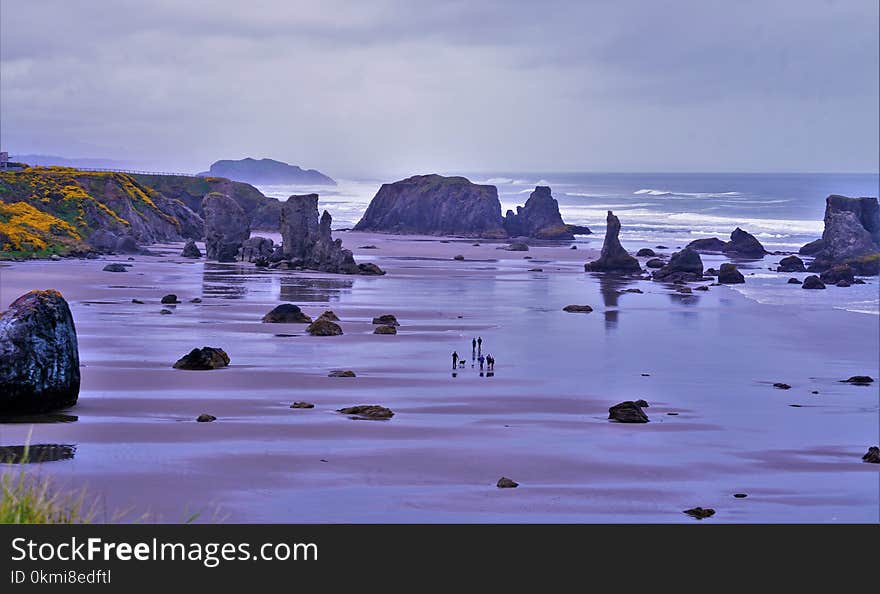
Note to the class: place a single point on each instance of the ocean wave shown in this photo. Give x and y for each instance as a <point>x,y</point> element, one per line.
<point>653,192</point>
<point>498,180</point>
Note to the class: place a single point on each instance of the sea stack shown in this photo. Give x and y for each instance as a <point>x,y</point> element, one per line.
<point>308,243</point>
<point>39,356</point>
<point>851,236</point>
<point>684,266</point>
<point>613,257</point>
<point>226,227</point>
<point>539,218</point>
<point>435,205</point>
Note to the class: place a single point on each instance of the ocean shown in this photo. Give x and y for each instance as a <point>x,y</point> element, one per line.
<point>784,211</point>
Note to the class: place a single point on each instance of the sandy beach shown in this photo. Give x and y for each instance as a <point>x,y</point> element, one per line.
<point>705,362</point>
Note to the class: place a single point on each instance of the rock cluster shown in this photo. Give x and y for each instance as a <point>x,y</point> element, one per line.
<point>683,266</point>
<point>741,245</point>
<point>539,218</point>
<point>851,236</point>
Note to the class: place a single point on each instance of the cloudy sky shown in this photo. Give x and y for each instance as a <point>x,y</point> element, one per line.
<point>389,87</point>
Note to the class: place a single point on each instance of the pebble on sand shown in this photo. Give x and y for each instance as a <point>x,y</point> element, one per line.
<point>341,373</point>
<point>205,418</point>
<point>872,455</point>
<point>781,386</point>
<point>577,308</point>
<point>700,513</point>
<point>506,483</point>
<point>302,405</point>
<point>372,412</point>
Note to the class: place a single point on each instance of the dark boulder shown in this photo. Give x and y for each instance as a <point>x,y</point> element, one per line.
<point>579,230</point>
<point>169,299</point>
<point>329,315</point>
<point>367,411</point>
<point>700,513</point>
<point>791,264</point>
<point>226,227</point>
<point>729,275</point>
<point>115,268</point>
<point>781,386</point>
<point>851,236</point>
<point>342,373</point>
<point>324,328</point>
<point>203,359</point>
<point>517,246</point>
<point>743,245</point>
<point>646,253</point>
<point>435,205</point>
<point>191,250</point>
<point>859,380</point>
<point>368,268</point>
<point>655,263</point>
<point>539,218</point>
<point>302,405</point>
<point>385,330</point>
<point>835,274</point>
<point>627,412</point>
<point>794,281</point>
<point>287,313</point>
<point>613,258</point>
<point>872,456</point>
<point>683,266</point>
<point>813,282</point>
<point>205,418</point>
<point>39,356</point>
<point>708,244</point>
<point>506,483</point>
<point>386,320</point>
<point>577,308</point>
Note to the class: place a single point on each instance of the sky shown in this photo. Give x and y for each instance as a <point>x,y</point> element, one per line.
<point>399,87</point>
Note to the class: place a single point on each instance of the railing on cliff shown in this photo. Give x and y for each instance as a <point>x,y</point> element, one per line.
<point>137,171</point>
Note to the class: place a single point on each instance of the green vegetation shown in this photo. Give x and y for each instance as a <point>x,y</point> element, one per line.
<point>25,499</point>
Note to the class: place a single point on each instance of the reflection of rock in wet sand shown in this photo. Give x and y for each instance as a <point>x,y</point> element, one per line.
<point>40,418</point>
<point>303,289</point>
<point>43,452</point>
<point>230,281</point>
<point>610,286</point>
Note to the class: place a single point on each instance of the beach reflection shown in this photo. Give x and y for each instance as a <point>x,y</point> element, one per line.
<point>44,452</point>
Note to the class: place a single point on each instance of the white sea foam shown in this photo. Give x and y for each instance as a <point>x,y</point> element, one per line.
<point>670,193</point>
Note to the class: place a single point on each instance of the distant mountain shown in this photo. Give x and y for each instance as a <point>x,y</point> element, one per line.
<point>267,171</point>
<point>88,163</point>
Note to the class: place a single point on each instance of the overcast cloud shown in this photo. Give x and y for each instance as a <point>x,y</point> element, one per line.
<point>398,87</point>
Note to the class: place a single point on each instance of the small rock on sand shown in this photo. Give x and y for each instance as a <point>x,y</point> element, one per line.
<point>205,418</point>
<point>506,483</point>
<point>368,412</point>
<point>700,513</point>
<point>794,281</point>
<point>302,405</point>
<point>165,312</point>
<point>341,373</point>
<point>458,257</point>
<point>627,412</point>
<point>781,386</point>
<point>286,313</point>
<point>203,359</point>
<point>516,247</point>
<point>385,330</point>
<point>873,455</point>
<point>171,298</point>
<point>115,268</point>
<point>812,282</point>
<point>368,247</point>
<point>859,380</point>
<point>536,270</point>
<point>195,300</point>
<point>740,495</point>
<point>577,308</point>
<point>324,328</point>
<point>137,301</point>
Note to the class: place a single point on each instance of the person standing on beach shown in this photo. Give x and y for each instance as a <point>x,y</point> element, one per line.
<point>490,362</point>
<point>480,346</point>
<point>482,359</point>
<point>473,348</point>
<point>454,359</point>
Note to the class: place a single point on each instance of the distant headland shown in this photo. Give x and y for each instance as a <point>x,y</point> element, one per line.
<point>267,171</point>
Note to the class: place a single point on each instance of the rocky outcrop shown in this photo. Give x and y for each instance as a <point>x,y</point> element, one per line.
<point>613,258</point>
<point>39,356</point>
<point>851,236</point>
<point>203,359</point>
<point>226,227</point>
<point>872,456</point>
<point>191,250</point>
<point>709,244</point>
<point>729,275</point>
<point>683,266</point>
<point>435,205</point>
<point>115,267</point>
<point>307,242</point>
<point>743,245</point>
<point>813,282</point>
<point>367,411</point>
<point>256,249</point>
<point>539,218</point>
<point>791,264</point>
<point>267,171</point>
<point>836,274</point>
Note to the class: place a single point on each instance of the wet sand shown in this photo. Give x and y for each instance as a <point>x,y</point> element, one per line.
<point>711,357</point>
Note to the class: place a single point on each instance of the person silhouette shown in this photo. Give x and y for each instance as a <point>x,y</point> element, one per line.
<point>479,345</point>
<point>454,359</point>
<point>473,348</point>
<point>482,360</point>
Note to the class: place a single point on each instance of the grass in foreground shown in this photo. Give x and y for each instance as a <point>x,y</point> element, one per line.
<point>33,500</point>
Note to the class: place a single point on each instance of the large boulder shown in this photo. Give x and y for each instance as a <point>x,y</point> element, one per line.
<point>851,236</point>
<point>226,227</point>
<point>286,313</point>
<point>628,412</point>
<point>835,274</point>
<point>203,359</point>
<point>813,282</point>
<point>435,205</point>
<point>683,266</point>
<point>324,327</point>
<point>708,244</point>
<point>308,241</point>
<point>539,218</point>
<point>255,249</point>
<point>729,275</point>
<point>743,245</point>
<point>613,258</point>
<point>39,357</point>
